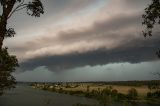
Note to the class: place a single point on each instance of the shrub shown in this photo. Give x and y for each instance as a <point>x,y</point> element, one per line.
<point>88,88</point>
<point>87,94</point>
<point>155,94</point>
<point>75,92</point>
<point>132,93</point>
<point>60,90</point>
<point>45,88</point>
<point>110,87</point>
<point>114,92</point>
<point>121,96</point>
<point>53,89</point>
<point>106,91</point>
<point>149,95</point>
<point>68,86</point>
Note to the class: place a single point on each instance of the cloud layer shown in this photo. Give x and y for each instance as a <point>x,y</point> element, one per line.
<point>80,33</point>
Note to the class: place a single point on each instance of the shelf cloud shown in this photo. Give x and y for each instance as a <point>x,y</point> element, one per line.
<point>73,34</point>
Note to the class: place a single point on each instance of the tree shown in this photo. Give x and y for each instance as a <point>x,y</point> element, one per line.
<point>33,8</point>
<point>132,93</point>
<point>151,17</point>
<point>9,63</point>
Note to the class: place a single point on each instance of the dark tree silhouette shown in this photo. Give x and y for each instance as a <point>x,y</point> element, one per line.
<point>9,63</point>
<point>151,17</point>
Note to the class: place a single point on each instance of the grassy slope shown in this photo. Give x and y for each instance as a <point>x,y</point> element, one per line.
<point>142,90</point>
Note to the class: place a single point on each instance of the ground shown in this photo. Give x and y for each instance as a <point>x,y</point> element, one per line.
<point>142,90</point>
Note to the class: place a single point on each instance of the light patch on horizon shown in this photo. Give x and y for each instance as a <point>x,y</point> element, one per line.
<point>108,72</point>
<point>40,74</point>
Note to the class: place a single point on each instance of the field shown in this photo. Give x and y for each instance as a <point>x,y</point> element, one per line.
<point>142,90</point>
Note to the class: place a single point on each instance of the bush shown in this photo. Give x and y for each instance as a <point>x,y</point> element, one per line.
<point>45,88</point>
<point>121,96</point>
<point>53,89</point>
<point>79,104</point>
<point>106,91</point>
<point>76,92</point>
<point>132,93</point>
<point>8,64</point>
<point>114,92</point>
<point>149,95</point>
<point>1,92</point>
<point>88,88</point>
<point>68,86</point>
<point>89,95</point>
<point>155,94</point>
<point>60,90</point>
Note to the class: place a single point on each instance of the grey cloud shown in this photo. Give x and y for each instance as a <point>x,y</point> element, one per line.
<point>136,3</point>
<point>132,48</point>
<point>122,29</point>
<point>108,72</point>
<point>135,51</point>
<point>102,28</point>
<point>95,73</point>
<point>55,9</point>
<point>99,31</point>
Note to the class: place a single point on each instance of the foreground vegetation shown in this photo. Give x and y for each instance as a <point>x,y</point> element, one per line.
<point>106,94</point>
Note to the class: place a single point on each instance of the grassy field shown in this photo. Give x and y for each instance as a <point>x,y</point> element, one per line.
<point>123,91</point>
<point>142,90</point>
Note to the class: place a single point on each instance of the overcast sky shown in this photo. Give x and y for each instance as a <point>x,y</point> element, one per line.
<point>84,40</point>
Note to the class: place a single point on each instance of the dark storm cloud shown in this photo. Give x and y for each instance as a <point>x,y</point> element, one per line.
<point>102,29</point>
<point>115,37</point>
<point>135,51</point>
<point>115,30</point>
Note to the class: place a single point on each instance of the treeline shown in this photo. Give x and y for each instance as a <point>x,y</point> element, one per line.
<point>123,83</point>
<point>130,83</point>
<point>104,96</point>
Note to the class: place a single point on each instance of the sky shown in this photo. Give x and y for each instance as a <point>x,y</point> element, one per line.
<point>84,40</point>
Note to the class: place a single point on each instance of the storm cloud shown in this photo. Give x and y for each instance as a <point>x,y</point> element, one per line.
<point>78,33</point>
<point>135,51</point>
